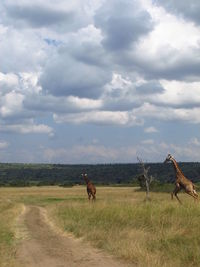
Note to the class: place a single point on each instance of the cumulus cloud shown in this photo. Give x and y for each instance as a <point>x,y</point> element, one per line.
<point>99,117</point>
<point>179,94</point>
<point>69,104</point>
<point>15,47</point>
<point>122,23</point>
<point>14,116</point>
<point>73,74</point>
<point>135,116</point>
<point>7,82</point>
<point>164,54</point>
<point>168,113</point>
<point>14,92</point>
<point>38,16</point>
<point>126,93</point>
<point>62,16</point>
<point>27,128</point>
<point>115,63</point>
<point>188,10</point>
<point>188,152</point>
<point>151,87</point>
<point>170,64</point>
<point>11,104</point>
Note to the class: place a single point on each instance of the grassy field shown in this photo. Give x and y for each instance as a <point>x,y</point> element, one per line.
<point>158,233</point>
<point>9,210</point>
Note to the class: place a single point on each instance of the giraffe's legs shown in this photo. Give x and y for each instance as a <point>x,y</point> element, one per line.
<point>93,197</point>
<point>89,196</point>
<point>195,193</point>
<point>178,198</point>
<point>175,192</point>
<point>195,196</point>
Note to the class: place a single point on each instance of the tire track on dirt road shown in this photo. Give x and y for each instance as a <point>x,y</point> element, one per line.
<point>46,247</point>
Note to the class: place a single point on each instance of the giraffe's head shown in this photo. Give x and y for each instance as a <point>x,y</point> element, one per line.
<point>168,158</point>
<point>84,175</point>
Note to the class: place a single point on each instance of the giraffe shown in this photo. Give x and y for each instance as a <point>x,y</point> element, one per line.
<point>91,190</point>
<point>181,181</point>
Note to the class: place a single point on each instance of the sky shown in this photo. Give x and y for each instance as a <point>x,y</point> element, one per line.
<point>87,81</point>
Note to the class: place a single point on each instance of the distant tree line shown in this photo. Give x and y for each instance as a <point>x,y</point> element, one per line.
<point>102,174</point>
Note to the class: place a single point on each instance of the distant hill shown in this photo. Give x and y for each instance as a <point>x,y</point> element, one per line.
<point>61,174</point>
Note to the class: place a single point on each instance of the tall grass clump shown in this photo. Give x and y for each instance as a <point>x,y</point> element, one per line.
<point>158,233</point>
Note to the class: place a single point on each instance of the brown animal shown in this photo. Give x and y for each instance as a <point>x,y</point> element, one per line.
<point>91,189</point>
<point>181,181</point>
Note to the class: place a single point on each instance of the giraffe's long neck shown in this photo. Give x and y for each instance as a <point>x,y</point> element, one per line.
<point>176,167</point>
<point>86,179</point>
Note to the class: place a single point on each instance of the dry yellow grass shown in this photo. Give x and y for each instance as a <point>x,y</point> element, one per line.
<point>158,233</point>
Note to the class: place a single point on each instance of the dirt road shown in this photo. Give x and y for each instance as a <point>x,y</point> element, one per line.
<point>46,247</point>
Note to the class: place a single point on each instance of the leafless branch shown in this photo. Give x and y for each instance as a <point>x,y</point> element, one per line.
<point>145,176</point>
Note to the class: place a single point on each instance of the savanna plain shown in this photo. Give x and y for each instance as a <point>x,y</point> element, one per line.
<point>160,232</point>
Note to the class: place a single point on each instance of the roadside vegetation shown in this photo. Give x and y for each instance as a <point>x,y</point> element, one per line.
<point>8,214</point>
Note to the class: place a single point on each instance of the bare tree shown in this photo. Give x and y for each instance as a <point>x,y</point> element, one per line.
<point>145,178</point>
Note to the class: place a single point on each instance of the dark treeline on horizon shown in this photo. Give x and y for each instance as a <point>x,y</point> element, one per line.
<point>103,174</point>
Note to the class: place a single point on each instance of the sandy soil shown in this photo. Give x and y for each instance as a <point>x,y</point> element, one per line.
<point>44,246</point>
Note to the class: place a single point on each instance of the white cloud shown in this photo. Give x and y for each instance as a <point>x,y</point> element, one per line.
<point>60,16</point>
<point>179,93</point>
<point>165,54</point>
<point>195,141</point>
<point>69,104</point>
<point>84,103</point>
<point>122,23</point>
<point>150,151</point>
<point>89,62</point>
<point>159,150</point>
<point>189,11</point>
<point>27,128</point>
<point>21,51</point>
<point>28,82</point>
<point>84,48</point>
<point>148,142</point>
<point>3,144</point>
<point>100,117</point>
<point>150,129</point>
<point>8,81</point>
<point>148,110</point>
<point>11,104</point>
<point>65,75</point>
